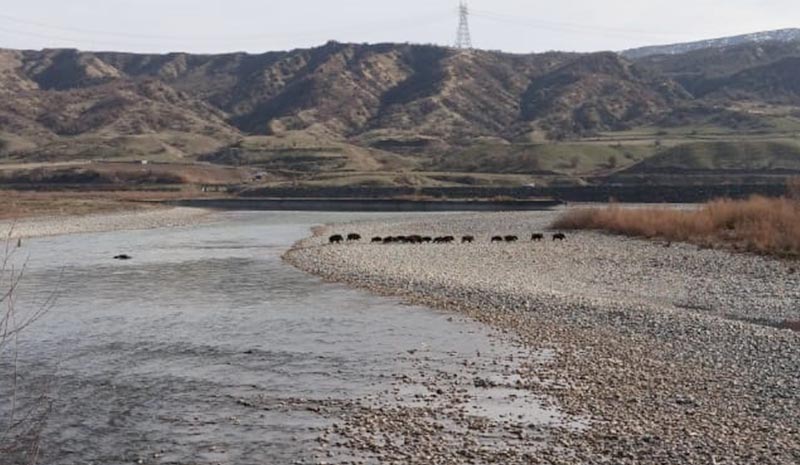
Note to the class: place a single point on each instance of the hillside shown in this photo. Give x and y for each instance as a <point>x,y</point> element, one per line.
<point>598,92</point>
<point>732,157</point>
<point>373,111</point>
<point>780,35</point>
<point>776,83</point>
<point>703,71</point>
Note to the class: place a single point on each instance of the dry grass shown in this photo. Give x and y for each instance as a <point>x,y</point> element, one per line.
<point>24,204</point>
<point>759,224</point>
<point>793,188</point>
<point>121,174</point>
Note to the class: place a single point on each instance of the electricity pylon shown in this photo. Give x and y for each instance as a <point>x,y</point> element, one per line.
<point>463,39</point>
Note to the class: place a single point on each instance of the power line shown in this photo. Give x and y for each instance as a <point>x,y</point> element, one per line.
<point>14,19</point>
<point>37,35</point>
<point>93,37</point>
<point>394,24</point>
<point>562,26</point>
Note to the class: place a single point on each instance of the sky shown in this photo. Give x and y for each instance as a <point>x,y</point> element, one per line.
<point>519,26</point>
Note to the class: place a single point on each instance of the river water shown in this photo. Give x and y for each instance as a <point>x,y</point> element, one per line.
<point>208,348</point>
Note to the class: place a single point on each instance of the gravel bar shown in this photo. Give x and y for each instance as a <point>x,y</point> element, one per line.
<point>672,353</point>
<point>101,222</point>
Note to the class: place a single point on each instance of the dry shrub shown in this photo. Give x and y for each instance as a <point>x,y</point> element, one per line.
<point>502,198</point>
<point>23,412</point>
<point>758,224</point>
<point>793,188</point>
<point>417,197</point>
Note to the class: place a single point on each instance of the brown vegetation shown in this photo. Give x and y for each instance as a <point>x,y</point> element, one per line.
<point>24,408</point>
<point>120,174</point>
<point>390,115</point>
<point>759,224</point>
<point>21,204</point>
<point>793,188</point>
<point>401,98</point>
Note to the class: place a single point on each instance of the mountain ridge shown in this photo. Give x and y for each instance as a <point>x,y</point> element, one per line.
<point>778,35</point>
<point>363,98</point>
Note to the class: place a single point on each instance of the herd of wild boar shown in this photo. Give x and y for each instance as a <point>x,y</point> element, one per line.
<point>417,239</point>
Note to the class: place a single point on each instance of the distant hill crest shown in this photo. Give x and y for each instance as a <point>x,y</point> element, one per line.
<point>396,98</point>
<point>780,35</point>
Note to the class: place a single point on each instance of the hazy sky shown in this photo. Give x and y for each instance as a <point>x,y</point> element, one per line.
<point>245,25</point>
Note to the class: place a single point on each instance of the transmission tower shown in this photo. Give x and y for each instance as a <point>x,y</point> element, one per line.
<point>463,40</point>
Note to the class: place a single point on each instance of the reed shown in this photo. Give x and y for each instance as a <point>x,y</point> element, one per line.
<point>758,224</point>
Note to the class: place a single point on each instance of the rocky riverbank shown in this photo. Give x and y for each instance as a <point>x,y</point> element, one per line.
<point>100,222</point>
<point>673,352</point>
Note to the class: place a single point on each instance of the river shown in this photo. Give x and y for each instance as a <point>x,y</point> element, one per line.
<point>207,348</point>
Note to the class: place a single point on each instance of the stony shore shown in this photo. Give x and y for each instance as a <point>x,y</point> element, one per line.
<point>673,353</point>
<point>100,222</point>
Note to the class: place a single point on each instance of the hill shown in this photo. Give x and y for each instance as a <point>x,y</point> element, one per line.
<point>774,83</point>
<point>598,92</point>
<point>396,96</point>
<point>378,112</point>
<point>702,71</point>
<point>780,35</point>
<point>731,157</point>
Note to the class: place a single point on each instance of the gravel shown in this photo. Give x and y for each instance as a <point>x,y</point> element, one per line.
<point>673,353</point>
<point>101,222</point>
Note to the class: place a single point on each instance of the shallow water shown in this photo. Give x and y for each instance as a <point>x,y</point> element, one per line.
<point>156,360</point>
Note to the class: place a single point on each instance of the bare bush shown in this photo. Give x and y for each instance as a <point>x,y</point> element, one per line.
<point>793,188</point>
<point>758,224</point>
<point>23,416</point>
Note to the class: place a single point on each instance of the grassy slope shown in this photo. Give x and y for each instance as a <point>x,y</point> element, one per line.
<point>745,156</point>
<point>167,146</point>
<point>313,157</point>
<point>571,159</point>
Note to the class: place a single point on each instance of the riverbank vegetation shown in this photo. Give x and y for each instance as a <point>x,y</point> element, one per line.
<point>763,225</point>
<point>17,205</point>
<point>24,405</point>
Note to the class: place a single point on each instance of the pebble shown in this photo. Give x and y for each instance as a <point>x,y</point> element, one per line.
<point>673,355</point>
